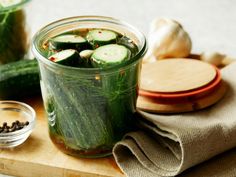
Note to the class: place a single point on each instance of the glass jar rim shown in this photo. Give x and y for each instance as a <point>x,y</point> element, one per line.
<point>46,29</point>
<point>14,6</point>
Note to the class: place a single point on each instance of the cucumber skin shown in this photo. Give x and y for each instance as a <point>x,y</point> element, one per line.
<point>73,60</point>
<point>96,44</point>
<point>13,35</point>
<point>102,64</point>
<point>63,45</point>
<point>19,79</point>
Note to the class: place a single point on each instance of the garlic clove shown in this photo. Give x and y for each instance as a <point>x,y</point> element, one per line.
<point>216,58</point>
<point>213,58</point>
<point>227,60</point>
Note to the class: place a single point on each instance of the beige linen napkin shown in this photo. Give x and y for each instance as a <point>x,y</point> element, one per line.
<point>166,145</point>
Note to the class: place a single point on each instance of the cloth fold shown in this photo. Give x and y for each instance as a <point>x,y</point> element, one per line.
<point>167,145</point>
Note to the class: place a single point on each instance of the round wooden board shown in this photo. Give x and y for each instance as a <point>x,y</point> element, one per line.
<point>187,94</point>
<point>151,105</point>
<point>176,75</point>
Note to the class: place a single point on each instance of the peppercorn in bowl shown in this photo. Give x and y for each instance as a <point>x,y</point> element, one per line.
<point>17,121</point>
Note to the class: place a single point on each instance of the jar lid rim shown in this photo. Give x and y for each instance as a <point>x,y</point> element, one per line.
<point>76,19</point>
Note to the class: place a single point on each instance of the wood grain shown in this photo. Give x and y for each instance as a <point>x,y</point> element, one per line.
<point>176,75</point>
<point>152,105</point>
<point>38,157</point>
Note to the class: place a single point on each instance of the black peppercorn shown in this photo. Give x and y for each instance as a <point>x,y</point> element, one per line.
<point>13,124</point>
<point>17,125</point>
<point>4,124</point>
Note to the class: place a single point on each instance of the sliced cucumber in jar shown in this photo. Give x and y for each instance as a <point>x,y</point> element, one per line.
<point>69,57</point>
<point>100,37</point>
<point>85,56</point>
<point>109,55</point>
<point>69,41</point>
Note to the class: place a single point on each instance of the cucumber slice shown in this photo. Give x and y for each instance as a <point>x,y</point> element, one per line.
<point>85,56</point>
<point>99,37</point>
<point>69,41</point>
<point>68,57</point>
<point>110,55</point>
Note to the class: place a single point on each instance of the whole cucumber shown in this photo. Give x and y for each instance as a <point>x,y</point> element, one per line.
<point>19,79</point>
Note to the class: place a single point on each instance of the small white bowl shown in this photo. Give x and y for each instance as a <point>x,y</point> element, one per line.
<point>11,111</point>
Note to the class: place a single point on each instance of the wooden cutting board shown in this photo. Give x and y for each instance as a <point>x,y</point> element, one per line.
<point>38,157</point>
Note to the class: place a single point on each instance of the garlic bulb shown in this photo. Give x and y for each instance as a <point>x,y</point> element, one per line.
<point>167,39</point>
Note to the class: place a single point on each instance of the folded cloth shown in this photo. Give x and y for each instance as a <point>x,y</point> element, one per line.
<point>167,145</point>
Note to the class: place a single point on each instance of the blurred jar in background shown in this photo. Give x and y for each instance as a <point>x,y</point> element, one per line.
<point>14,41</point>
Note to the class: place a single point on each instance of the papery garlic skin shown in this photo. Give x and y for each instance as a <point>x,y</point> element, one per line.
<point>167,39</point>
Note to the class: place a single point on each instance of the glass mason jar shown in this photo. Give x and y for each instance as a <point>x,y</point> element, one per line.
<point>13,32</point>
<point>88,109</point>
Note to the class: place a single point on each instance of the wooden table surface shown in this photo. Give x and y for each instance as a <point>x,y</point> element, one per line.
<point>39,157</point>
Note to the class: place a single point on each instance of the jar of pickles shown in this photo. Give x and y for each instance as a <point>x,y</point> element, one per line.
<point>90,67</point>
<point>13,32</point>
